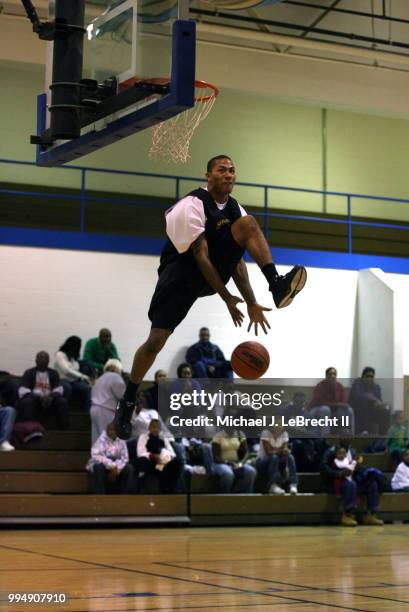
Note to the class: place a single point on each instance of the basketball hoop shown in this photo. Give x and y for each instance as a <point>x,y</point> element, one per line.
<point>171,138</point>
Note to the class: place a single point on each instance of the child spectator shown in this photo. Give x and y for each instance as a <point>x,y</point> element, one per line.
<point>397,436</point>
<point>400,479</point>
<point>156,457</point>
<point>109,464</point>
<point>274,460</point>
<point>367,484</point>
<point>343,462</point>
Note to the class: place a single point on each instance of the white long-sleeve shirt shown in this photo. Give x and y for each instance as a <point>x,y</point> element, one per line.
<point>186,220</point>
<point>68,369</point>
<point>140,422</point>
<point>400,479</point>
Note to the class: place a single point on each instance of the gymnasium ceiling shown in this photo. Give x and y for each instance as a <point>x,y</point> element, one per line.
<point>371,32</point>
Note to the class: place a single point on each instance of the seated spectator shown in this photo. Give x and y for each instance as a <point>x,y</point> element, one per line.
<point>184,384</point>
<point>225,459</point>
<point>9,389</point>
<point>343,462</point>
<point>371,413</point>
<point>275,461</point>
<point>41,391</point>
<point>152,393</point>
<point>109,464</point>
<point>329,398</point>
<point>400,479</point>
<point>7,418</point>
<point>206,359</point>
<point>74,382</point>
<point>143,415</point>
<point>156,457</point>
<point>397,436</point>
<point>97,351</point>
<point>106,392</point>
<point>337,481</point>
<point>307,451</point>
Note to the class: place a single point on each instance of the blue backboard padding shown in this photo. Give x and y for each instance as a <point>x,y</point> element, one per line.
<point>152,246</point>
<point>180,98</point>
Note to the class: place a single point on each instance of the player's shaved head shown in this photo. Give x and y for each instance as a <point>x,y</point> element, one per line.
<point>214,160</point>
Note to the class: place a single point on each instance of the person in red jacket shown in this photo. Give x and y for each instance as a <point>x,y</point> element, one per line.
<point>330,398</point>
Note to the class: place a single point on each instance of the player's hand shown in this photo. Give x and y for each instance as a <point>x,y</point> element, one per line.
<point>235,312</point>
<point>256,316</point>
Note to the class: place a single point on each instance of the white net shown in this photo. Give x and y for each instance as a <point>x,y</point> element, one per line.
<point>171,138</point>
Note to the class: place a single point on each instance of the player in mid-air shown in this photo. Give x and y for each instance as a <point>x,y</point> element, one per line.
<point>208,233</point>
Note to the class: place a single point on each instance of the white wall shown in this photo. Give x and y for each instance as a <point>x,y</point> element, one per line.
<point>379,336</point>
<point>50,294</point>
<point>400,283</point>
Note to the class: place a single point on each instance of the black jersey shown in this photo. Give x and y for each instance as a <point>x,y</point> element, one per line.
<point>218,221</point>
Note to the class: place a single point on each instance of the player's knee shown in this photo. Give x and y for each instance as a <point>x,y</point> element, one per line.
<point>246,224</point>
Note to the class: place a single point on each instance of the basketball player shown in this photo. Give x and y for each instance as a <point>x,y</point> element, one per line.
<point>208,233</point>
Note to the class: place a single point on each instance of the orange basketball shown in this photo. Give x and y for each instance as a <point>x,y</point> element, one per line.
<point>250,360</point>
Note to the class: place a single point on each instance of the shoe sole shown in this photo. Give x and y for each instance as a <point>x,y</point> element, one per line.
<point>297,284</point>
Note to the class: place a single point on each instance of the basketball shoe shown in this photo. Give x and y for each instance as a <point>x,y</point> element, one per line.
<point>122,418</point>
<point>285,288</point>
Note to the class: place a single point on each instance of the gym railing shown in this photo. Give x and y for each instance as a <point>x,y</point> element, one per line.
<point>261,194</point>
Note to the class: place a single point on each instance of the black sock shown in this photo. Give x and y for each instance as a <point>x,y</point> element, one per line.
<point>270,272</point>
<point>130,391</point>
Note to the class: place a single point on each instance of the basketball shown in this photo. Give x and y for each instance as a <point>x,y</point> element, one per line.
<point>250,360</point>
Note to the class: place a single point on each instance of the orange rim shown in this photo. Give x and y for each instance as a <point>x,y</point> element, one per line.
<point>165,80</point>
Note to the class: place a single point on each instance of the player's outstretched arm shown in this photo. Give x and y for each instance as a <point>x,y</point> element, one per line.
<point>201,254</point>
<point>254,310</point>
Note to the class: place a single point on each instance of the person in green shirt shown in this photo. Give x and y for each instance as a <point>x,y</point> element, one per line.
<point>97,351</point>
<point>397,436</point>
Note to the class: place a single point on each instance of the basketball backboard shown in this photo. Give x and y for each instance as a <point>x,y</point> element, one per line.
<point>138,70</point>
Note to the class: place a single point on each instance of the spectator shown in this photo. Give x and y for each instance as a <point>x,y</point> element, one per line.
<point>156,457</point>
<point>400,479</point>
<point>371,413</point>
<point>206,359</point>
<point>106,392</point>
<point>109,464</point>
<point>275,460</point>
<point>98,350</point>
<point>9,389</point>
<point>225,459</point>
<point>329,398</point>
<point>184,384</point>
<point>141,419</point>
<point>7,418</point>
<point>41,391</point>
<point>74,382</point>
<point>307,451</point>
<point>397,436</point>
<point>336,480</point>
<point>143,415</point>
<point>342,462</point>
<point>152,393</point>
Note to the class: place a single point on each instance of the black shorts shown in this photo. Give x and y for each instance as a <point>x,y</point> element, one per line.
<point>180,282</point>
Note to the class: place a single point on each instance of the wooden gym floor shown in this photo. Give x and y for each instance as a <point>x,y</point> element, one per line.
<point>259,568</point>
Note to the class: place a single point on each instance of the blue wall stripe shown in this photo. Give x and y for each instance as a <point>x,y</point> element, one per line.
<point>152,246</point>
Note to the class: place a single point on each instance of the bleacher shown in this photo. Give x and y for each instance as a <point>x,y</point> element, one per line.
<point>46,482</point>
